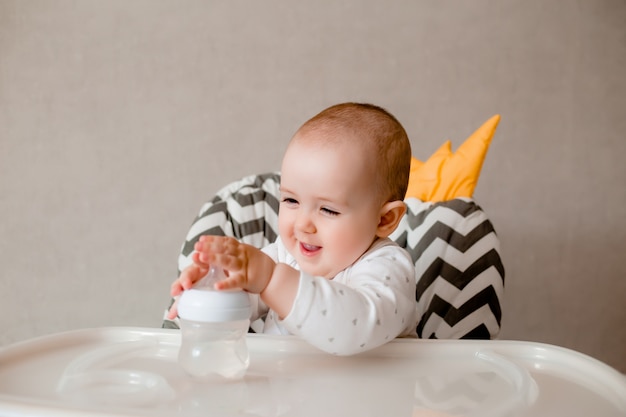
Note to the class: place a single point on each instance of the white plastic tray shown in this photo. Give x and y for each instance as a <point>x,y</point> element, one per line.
<point>133,372</point>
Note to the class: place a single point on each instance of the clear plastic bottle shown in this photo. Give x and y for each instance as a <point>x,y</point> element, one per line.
<point>213,327</point>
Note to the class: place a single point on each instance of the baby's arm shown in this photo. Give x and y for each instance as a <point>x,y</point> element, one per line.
<point>374,304</point>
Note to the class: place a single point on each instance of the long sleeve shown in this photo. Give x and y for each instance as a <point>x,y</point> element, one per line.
<point>363,307</point>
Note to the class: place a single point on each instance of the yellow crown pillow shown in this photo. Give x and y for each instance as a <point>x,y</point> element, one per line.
<point>447,175</point>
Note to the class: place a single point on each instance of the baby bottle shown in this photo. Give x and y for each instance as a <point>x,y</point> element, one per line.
<point>213,327</point>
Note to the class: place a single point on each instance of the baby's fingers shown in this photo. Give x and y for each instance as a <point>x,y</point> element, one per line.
<point>217,245</point>
<point>173,311</point>
<point>200,259</point>
<point>187,278</point>
<point>229,257</point>
<point>176,288</point>
<point>230,283</point>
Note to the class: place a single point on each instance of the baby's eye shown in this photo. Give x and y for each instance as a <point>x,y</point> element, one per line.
<point>289,200</point>
<point>329,211</point>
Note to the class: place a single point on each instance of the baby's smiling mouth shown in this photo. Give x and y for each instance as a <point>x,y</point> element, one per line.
<point>307,249</point>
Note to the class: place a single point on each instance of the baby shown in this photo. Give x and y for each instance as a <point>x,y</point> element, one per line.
<point>333,277</point>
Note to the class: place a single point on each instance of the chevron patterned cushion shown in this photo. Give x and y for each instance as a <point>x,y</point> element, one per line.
<point>460,276</point>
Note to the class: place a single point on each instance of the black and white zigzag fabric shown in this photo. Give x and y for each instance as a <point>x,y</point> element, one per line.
<point>460,276</point>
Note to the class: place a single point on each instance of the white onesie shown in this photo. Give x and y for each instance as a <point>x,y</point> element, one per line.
<point>362,307</point>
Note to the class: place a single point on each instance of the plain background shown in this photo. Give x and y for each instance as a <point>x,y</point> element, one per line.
<point>118,119</point>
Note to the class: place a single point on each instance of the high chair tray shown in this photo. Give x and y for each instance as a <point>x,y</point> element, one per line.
<point>134,372</point>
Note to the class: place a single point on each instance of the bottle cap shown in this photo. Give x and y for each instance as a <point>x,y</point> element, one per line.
<point>214,306</point>
<point>205,304</point>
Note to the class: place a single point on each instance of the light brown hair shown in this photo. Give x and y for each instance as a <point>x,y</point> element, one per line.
<point>374,127</point>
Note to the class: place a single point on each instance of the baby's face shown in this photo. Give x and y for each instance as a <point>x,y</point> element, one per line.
<point>329,210</point>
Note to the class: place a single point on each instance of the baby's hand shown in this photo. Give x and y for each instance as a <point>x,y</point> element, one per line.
<point>246,267</point>
<point>187,278</point>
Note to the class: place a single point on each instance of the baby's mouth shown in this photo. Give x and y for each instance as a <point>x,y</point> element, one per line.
<point>307,249</point>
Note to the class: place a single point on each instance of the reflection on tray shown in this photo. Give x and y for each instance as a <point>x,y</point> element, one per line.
<point>142,375</point>
<point>506,391</point>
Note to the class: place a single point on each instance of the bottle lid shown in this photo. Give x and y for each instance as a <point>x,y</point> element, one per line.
<point>205,304</point>
<point>214,306</point>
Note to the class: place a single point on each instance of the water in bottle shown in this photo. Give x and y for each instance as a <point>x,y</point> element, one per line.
<point>213,326</point>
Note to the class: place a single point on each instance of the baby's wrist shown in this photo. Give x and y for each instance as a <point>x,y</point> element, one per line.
<point>280,292</point>
<point>270,281</point>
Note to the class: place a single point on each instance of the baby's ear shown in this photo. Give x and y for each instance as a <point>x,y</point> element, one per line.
<point>390,215</point>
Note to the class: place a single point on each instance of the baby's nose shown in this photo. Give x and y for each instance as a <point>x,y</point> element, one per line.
<point>305,224</point>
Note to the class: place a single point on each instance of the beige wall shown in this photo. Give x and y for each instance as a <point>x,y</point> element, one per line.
<point>119,118</point>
